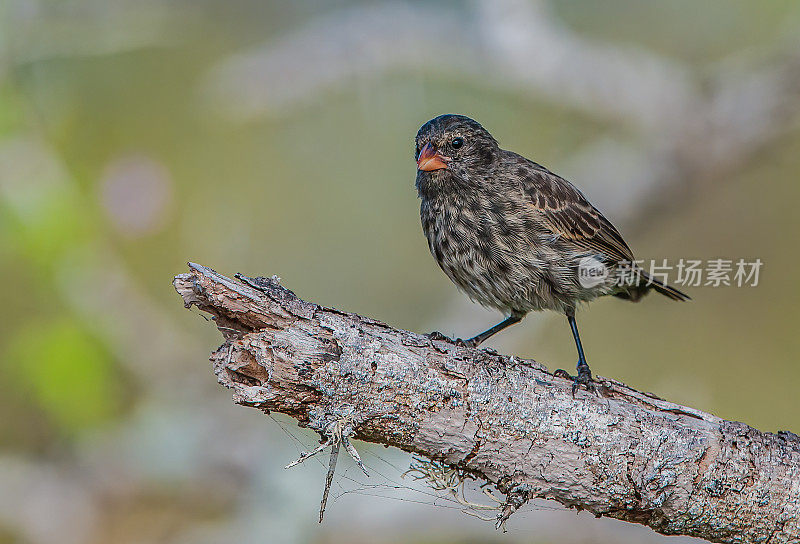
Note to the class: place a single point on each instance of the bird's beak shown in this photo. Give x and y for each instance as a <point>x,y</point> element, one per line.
<point>430,159</point>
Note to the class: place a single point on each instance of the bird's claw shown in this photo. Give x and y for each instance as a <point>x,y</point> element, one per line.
<point>439,337</point>
<point>584,378</point>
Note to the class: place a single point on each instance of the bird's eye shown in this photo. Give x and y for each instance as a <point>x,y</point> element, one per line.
<point>457,142</point>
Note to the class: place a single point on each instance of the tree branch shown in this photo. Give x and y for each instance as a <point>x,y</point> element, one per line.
<point>622,454</point>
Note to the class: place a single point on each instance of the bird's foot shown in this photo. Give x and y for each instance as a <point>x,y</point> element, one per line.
<point>439,337</point>
<point>584,378</point>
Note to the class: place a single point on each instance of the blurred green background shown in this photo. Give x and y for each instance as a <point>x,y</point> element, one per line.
<point>277,138</point>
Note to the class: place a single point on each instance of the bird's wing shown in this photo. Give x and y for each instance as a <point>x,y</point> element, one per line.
<point>568,215</point>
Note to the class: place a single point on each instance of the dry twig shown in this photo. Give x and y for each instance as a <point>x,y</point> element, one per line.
<point>509,422</point>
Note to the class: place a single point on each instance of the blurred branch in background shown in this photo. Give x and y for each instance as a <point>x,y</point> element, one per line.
<point>694,125</point>
<point>618,453</point>
<point>507,44</point>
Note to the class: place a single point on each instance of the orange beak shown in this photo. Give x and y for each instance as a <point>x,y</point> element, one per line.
<point>430,159</point>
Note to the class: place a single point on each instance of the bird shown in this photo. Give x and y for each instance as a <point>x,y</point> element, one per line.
<point>515,236</point>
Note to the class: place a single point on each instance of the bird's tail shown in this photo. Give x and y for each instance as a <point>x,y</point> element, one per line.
<point>647,283</point>
<point>668,291</point>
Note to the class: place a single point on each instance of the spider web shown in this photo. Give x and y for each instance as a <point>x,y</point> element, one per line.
<point>424,482</point>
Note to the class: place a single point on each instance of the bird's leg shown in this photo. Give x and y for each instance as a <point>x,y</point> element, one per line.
<point>584,376</point>
<point>479,338</point>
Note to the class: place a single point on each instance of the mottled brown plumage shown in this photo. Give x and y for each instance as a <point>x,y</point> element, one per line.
<point>513,235</point>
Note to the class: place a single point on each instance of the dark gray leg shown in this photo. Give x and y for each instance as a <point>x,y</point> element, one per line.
<point>584,376</point>
<point>480,338</point>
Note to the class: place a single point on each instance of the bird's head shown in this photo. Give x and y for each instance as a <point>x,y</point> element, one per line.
<point>452,152</point>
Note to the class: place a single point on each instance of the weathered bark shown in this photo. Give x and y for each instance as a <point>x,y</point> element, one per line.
<point>622,453</point>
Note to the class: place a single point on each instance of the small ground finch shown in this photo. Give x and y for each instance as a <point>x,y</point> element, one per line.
<point>513,235</point>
